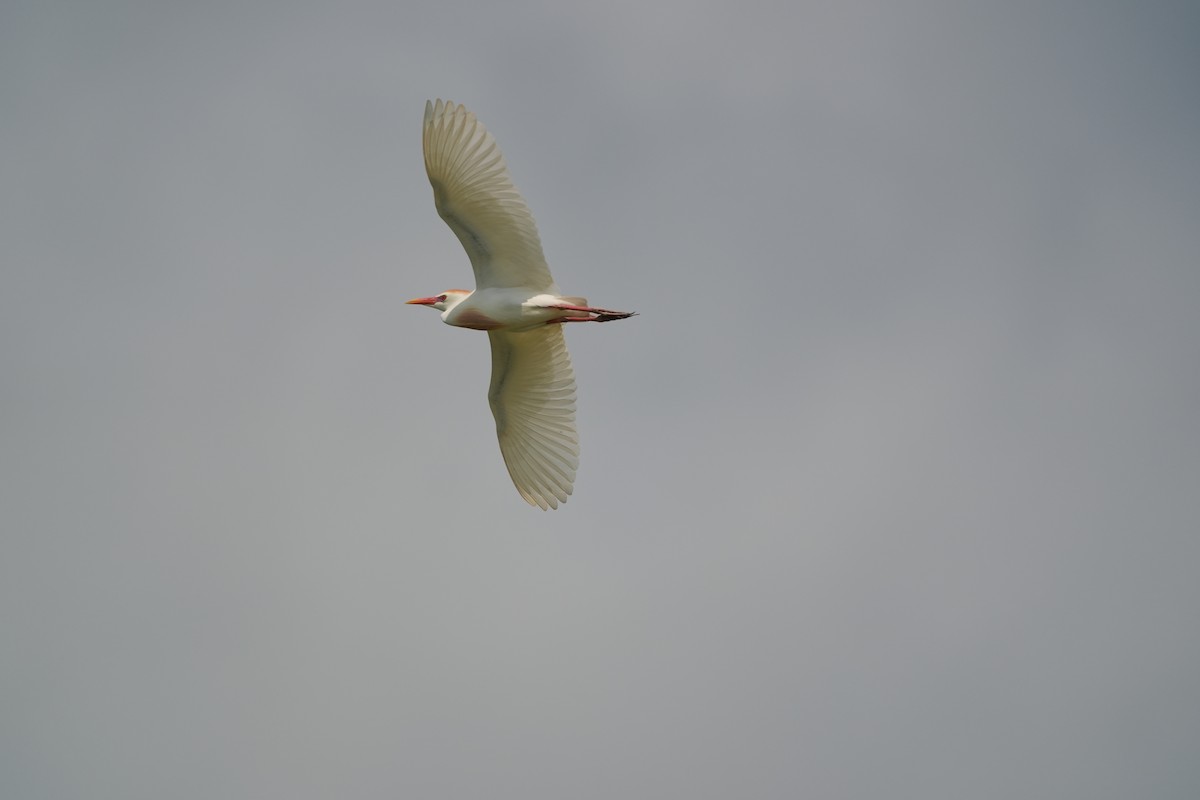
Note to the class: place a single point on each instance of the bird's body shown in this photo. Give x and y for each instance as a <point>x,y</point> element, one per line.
<point>516,301</point>
<point>508,309</point>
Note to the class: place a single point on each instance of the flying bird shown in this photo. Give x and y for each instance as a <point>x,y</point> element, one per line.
<point>516,301</point>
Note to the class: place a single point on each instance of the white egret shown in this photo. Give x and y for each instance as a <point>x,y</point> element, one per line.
<point>515,300</point>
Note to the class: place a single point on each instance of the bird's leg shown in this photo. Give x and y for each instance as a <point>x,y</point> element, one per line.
<point>600,314</point>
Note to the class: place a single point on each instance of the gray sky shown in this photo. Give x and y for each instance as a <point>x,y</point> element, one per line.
<point>891,490</point>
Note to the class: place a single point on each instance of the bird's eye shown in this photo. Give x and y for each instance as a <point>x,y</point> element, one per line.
<point>441,298</point>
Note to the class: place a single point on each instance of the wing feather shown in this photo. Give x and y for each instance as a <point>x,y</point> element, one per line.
<point>475,195</point>
<point>533,400</point>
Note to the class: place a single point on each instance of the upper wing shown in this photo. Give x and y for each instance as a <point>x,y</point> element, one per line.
<point>533,400</point>
<point>475,195</point>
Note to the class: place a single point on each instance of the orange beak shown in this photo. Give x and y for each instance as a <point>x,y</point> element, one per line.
<point>421,301</point>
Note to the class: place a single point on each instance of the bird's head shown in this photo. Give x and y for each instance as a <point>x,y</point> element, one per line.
<point>442,302</point>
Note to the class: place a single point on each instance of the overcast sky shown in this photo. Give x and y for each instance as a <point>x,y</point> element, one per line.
<point>892,490</point>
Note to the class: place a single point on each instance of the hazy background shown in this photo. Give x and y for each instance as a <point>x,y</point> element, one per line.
<point>892,490</point>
